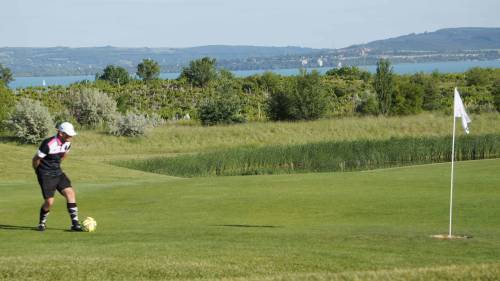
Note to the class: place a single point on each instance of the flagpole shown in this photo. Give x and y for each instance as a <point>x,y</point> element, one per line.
<point>452,166</point>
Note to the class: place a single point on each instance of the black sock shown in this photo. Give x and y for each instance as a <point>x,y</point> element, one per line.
<point>73,213</point>
<point>43,216</point>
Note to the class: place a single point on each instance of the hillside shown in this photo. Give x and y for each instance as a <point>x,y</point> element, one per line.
<point>443,40</point>
<point>84,61</point>
<point>452,44</point>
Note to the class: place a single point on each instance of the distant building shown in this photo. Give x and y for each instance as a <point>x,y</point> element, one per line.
<point>320,62</point>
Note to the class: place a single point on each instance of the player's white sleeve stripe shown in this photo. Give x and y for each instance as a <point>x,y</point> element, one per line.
<point>41,154</point>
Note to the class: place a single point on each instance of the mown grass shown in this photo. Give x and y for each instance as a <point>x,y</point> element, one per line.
<point>371,225</point>
<point>321,157</point>
<point>471,272</point>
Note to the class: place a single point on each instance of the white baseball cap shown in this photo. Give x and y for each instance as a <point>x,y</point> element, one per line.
<point>66,127</point>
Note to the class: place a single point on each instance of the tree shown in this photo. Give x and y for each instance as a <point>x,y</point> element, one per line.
<point>349,73</point>
<point>6,75</point>
<point>279,106</point>
<point>477,76</point>
<point>200,72</point>
<point>148,70</point>
<point>431,94</point>
<point>310,97</point>
<point>496,94</point>
<point>407,97</point>
<point>384,85</point>
<point>303,97</point>
<point>115,74</point>
<point>270,82</point>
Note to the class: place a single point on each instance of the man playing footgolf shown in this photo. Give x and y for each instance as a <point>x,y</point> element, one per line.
<point>47,165</point>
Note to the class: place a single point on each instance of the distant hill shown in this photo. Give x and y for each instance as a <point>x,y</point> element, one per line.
<point>80,61</point>
<point>451,44</point>
<point>443,40</point>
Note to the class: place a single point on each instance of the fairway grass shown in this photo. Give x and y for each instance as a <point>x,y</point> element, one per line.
<point>373,225</point>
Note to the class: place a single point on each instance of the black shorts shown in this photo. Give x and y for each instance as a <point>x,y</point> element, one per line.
<point>49,184</point>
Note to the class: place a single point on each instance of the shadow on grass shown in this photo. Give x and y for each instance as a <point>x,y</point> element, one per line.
<point>21,227</point>
<point>246,225</point>
<point>16,227</point>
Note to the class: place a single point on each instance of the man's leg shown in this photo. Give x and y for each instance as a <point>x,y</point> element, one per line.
<point>70,196</point>
<point>64,187</point>
<point>44,212</point>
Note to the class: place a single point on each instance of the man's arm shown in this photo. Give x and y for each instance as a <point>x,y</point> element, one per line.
<point>35,162</point>
<point>43,150</point>
<point>65,155</point>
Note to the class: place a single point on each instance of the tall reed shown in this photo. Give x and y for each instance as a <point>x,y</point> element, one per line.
<point>322,157</point>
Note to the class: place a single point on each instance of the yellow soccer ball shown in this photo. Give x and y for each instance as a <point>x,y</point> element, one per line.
<point>89,224</point>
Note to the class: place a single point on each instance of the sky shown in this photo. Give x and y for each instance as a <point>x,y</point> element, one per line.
<point>188,23</point>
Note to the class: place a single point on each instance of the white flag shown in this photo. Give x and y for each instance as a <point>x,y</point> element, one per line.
<point>459,111</point>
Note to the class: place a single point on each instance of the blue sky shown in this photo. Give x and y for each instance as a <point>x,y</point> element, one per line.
<point>177,23</point>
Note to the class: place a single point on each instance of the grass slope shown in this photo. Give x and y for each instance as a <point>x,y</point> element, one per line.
<point>327,226</point>
<point>188,139</point>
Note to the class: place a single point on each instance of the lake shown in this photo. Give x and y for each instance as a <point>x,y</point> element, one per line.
<point>403,68</point>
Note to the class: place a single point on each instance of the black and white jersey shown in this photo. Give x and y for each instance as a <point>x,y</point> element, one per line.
<point>51,151</point>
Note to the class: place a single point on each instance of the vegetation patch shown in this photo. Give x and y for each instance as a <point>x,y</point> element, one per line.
<point>322,157</point>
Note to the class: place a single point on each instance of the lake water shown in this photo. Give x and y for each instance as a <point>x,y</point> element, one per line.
<point>403,68</point>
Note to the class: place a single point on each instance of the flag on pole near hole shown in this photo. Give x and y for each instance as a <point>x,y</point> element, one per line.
<point>459,111</point>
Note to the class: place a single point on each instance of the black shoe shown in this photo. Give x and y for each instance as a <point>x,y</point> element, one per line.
<point>41,227</point>
<point>76,227</point>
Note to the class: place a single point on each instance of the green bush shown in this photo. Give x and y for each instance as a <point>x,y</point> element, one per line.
<point>367,103</point>
<point>496,94</point>
<point>7,102</point>
<point>407,97</point>
<point>92,108</point>
<point>129,125</point>
<point>30,121</point>
<point>303,97</point>
<point>155,120</point>
<point>350,73</point>
<point>308,97</point>
<point>279,106</point>
<point>64,116</point>
<point>223,107</point>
